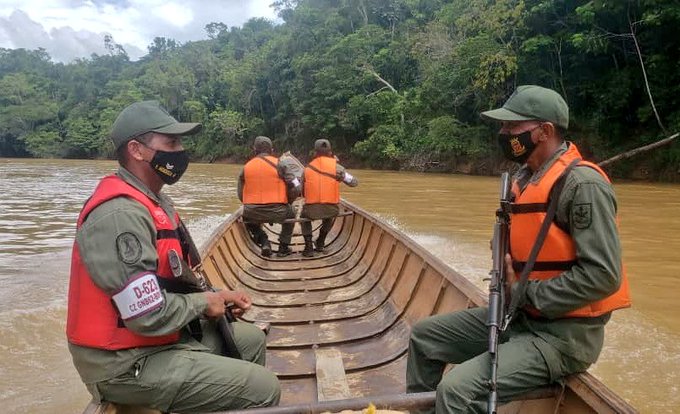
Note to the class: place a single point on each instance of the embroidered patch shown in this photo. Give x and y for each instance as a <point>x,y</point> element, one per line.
<point>129,248</point>
<point>140,296</point>
<point>582,215</point>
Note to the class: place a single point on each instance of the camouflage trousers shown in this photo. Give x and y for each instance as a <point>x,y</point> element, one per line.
<point>188,381</point>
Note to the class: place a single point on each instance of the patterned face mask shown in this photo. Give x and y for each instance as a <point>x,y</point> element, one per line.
<point>517,148</point>
<point>170,165</point>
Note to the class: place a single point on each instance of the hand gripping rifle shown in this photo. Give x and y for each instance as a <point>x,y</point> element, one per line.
<point>192,274</point>
<point>496,315</point>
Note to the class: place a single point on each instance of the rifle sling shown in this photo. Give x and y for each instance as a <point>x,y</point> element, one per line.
<point>313,168</point>
<point>555,192</point>
<point>268,162</point>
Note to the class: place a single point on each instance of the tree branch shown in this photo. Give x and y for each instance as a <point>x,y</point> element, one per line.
<point>379,78</point>
<point>638,150</point>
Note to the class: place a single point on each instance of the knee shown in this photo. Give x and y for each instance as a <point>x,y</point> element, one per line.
<point>460,392</point>
<point>452,395</point>
<point>251,342</point>
<point>268,389</point>
<point>420,330</point>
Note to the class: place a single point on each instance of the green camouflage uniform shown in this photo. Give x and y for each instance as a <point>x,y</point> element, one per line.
<point>188,376</point>
<point>535,352</point>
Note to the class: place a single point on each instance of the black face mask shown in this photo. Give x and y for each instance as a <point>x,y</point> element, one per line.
<point>517,148</point>
<point>170,165</point>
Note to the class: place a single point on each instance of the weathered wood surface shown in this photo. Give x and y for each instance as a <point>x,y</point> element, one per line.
<point>331,382</point>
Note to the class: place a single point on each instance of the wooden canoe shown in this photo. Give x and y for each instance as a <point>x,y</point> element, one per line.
<point>340,321</point>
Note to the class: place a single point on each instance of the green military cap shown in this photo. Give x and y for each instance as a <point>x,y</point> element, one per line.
<point>262,144</point>
<point>322,146</point>
<point>148,116</point>
<point>531,102</point>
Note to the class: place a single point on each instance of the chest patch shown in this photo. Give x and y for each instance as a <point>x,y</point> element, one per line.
<point>129,248</point>
<point>582,215</point>
<point>140,296</point>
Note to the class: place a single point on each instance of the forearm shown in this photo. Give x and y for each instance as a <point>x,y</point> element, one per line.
<point>344,176</point>
<point>573,289</point>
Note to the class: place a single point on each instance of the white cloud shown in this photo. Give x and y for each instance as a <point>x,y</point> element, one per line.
<point>69,29</point>
<point>174,14</point>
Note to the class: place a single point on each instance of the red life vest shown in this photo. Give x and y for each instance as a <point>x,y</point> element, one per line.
<point>263,185</point>
<point>558,252</point>
<point>321,186</point>
<point>93,319</point>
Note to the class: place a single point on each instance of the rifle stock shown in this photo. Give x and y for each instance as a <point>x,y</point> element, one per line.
<point>496,313</point>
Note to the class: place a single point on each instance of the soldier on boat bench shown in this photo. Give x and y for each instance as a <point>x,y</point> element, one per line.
<point>322,180</point>
<point>128,306</point>
<point>266,187</point>
<point>573,287</point>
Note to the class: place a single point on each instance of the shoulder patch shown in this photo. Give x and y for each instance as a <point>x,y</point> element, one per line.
<point>582,215</point>
<point>129,248</point>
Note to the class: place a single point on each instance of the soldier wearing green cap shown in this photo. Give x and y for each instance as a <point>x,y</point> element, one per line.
<point>136,332</point>
<point>322,178</point>
<point>560,298</point>
<point>267,186</point>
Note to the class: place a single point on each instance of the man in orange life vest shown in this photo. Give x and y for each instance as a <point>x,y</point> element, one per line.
<point>128,309</point>
<point>576,282</point>
<point>322,194</point>
<point>267,186</point>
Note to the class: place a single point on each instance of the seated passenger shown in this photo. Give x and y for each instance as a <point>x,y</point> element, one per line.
<point>139,331</point>
<point>322,194</point>
<point>264,188</point>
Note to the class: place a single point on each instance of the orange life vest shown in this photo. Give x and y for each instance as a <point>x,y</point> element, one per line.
<point>263,185</point>
<point>321,186</point>
<point>558,252</point>
<point>93,320</point>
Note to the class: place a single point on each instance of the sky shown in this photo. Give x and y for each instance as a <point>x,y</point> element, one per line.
<point>70,29</point>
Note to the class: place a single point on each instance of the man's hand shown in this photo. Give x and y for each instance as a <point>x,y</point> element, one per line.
<point>240,300</point>
<point>217,303</point>
<point>510,276</point>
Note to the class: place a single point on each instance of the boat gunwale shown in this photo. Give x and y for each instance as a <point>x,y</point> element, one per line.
<point>587,387</point>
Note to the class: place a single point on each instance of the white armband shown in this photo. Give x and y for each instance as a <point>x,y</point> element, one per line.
<point>348,178</point>
<point>296,182</point>
<point>140,296</point>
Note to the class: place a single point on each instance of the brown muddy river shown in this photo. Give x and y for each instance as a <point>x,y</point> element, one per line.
<point>451,215</point>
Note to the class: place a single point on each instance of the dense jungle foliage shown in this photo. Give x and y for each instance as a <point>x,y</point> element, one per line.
<point>392,83</point>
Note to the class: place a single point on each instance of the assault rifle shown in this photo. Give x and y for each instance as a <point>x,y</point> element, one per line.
<point>193,276</point>
<point>496,315</point>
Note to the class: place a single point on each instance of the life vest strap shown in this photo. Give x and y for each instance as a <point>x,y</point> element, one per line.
<point>167,234</point>
<point>324,173</point>
<point>269,162</point>
<point>528,208</point>
<point>545,266</point>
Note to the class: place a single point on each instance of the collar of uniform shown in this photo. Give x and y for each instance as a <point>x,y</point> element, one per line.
<point>536,176</point>
<point>132,179</point>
